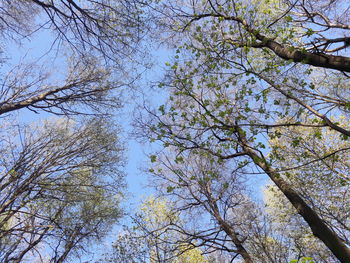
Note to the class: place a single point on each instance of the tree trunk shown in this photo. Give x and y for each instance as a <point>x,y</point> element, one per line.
<point>318,227</point>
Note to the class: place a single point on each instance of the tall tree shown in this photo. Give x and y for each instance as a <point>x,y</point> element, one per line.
<point>108,28</point>
<point>153,238</point>
<point>211,195</point>
<point>237,78</point>
<point>315,169</point>
<point>61,183</point>
<point>59,188</point>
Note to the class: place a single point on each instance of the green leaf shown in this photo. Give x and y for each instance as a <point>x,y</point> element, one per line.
<point>296,141</point>
<point>288,18</point>
<point>179,159</point>
<point>309,32</point>
<point>344,137</point>
<point>169,189</point>
<point>153,158</point>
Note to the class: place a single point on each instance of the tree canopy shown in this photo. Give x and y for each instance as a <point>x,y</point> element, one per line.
<point>251,144</point>
<point>257,87</point>
<point>61,178</point>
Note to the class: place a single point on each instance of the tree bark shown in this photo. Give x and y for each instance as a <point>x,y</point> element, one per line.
<point>318,227</point>
<point>228,230</point>
<point>322,60</point>
<point>297,55</point>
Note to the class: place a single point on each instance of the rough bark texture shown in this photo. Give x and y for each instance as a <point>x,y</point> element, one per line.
<point>229,231</point>
<point>318,227</point>
<point>322,60</point>
<point>315,59</point>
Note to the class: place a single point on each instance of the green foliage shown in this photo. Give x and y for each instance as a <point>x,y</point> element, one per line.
<point>303,260</point>
<point>151,238</point>
<point>69,201</point>
<point>243,96</point>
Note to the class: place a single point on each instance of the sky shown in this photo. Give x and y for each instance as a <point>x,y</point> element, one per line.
<point>38,50</point>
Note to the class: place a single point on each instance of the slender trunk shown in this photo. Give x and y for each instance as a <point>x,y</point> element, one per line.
<point>239,245</point>
<point>228,229</point>
<point>318,227</point>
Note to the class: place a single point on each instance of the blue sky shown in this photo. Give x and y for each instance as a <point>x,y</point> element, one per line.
<point>38,50</point>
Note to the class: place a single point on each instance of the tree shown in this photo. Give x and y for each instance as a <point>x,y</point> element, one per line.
<point>204,195</point>
<point>212,197</point>
<point>310,146</point>
<point>82,32</point>
<point>60,179</point>
<point>87,88</point>
<point>203,131</point>
<point>108,28</point>
<point>236,80</point>
<point>286,223</point>
<point>153,238</point>
<point>59,189</point>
